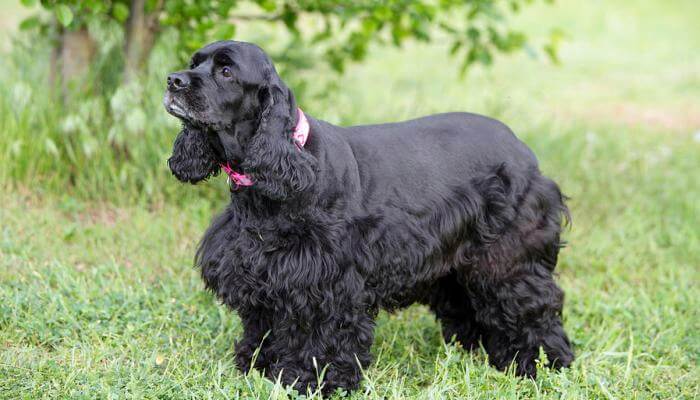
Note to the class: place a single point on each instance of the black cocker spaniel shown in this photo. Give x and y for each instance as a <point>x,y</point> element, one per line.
<point>327,225</point>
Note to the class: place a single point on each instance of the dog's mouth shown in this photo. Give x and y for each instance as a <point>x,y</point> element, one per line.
<point>174,107</point>
<point>176,110</point>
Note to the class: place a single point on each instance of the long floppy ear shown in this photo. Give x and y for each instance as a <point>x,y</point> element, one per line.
<point>193,158</point>
<point>279,168</point>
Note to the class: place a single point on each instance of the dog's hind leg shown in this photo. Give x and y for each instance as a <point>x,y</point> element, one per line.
<point>514,293</point>
<point>511,282</point>
<point>520,314</point>
<point>451,304</point>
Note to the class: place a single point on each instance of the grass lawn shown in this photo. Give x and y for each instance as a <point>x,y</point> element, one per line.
<point>99,300</point>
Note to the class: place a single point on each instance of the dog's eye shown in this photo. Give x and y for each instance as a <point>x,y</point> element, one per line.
<point>226,72</point>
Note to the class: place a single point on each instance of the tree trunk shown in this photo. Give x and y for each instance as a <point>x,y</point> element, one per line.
<point>74,57</point>
<point>53,67</point>
<point>141,29</point>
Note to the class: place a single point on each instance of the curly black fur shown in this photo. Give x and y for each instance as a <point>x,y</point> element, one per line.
<point>449,210</point>
<point>193,158</point>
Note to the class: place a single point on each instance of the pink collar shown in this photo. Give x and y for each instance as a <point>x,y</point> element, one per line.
<point>300,135</point>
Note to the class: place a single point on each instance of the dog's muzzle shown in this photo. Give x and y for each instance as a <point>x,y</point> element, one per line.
<point>173,106</point>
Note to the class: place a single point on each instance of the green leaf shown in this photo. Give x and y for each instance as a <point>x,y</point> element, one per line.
<point>28,3</point>
<point>556,36</point>
<point>369,25</point>
<point>268,5</point>
<point>120,12</point>
<point>289,17</point>
<point>455,47</point>
<point>552,53</point>
<point>485,57</point>
<point>30,23</point>
<point>63,14</point>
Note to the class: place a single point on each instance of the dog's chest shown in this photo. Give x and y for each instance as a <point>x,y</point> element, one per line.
<point>255,264</point>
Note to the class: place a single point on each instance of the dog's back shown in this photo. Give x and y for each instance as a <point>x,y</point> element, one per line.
<point>436,151</point>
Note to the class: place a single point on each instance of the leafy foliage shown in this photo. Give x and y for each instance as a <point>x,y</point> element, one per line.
<point>308,39</point>
<point>341,30</point>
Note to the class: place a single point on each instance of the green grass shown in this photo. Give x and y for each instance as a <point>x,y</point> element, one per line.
<point>98,298</point>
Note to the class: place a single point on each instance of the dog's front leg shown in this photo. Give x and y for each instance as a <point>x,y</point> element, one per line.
<point>326,343</point>
<point>252,348</point>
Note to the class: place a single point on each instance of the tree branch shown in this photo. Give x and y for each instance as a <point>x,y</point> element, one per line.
<point>256,17</point>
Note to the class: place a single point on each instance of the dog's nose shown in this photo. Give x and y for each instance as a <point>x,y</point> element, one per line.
<point>178,81</point>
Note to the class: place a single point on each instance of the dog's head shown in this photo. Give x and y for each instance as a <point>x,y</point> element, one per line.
<point>235,109</point>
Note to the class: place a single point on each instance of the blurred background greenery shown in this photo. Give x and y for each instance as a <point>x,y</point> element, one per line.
<point>98,298</point>
<point>94,71</point>
<point>83,80</point>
